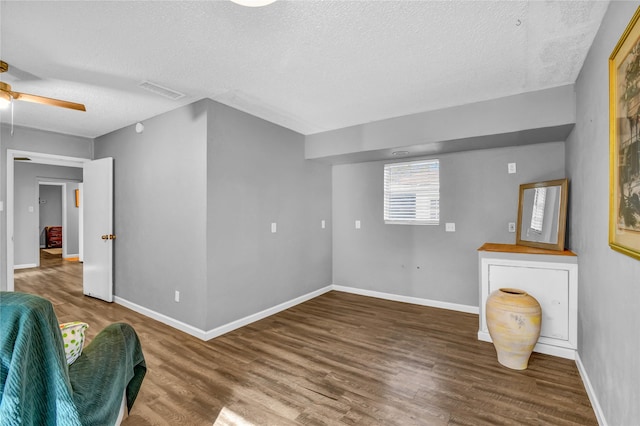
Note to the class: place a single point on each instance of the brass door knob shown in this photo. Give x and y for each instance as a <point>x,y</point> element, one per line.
<point>105,237</point>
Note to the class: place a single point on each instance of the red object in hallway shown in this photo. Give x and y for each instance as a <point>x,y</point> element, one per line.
<point>54,236</point>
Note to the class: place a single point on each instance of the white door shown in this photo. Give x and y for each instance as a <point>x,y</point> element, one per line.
<point>98,238</point>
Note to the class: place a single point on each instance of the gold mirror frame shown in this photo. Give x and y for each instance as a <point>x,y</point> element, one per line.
<point>562,215</point>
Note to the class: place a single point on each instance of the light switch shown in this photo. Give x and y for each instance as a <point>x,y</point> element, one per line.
<point>274,227</point>
<point>512,227</point>
<point>30,209</point>
<point>450,227</point>
<point>357,224</point>
<point>1,206</point>
<point>511,167</point>
<point>322,224</point>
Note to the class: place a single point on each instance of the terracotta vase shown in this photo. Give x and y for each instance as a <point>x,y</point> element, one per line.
<point>513,319</point>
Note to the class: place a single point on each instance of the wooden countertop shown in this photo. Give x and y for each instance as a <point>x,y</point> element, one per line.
<point>512,248</point>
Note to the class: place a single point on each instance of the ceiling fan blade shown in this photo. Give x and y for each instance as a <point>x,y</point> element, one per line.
<point>47,101</point>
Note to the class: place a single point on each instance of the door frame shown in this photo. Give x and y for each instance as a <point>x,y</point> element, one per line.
<point>36,158</point>
<point>63,213</point>
<point>62,183</point>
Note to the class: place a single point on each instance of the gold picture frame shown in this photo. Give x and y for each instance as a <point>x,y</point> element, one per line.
<point>624,142</point>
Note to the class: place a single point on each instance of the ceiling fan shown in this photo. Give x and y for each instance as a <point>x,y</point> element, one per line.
<point>7,95</point>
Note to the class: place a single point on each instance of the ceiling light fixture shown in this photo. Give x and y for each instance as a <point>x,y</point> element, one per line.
<point>5,97</point>
<point>253,3</point>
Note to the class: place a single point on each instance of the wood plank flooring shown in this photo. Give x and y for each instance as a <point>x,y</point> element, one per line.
<point>339,359</point>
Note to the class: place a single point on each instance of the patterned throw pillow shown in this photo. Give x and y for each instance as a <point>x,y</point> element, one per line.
<point>73,337</point>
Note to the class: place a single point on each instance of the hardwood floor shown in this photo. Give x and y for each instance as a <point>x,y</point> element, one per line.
<point>339,359</point>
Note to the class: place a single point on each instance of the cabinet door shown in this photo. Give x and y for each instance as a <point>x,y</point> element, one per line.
<point>550,287</point>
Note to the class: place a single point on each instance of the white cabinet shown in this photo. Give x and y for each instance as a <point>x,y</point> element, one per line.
<point>551,277</point>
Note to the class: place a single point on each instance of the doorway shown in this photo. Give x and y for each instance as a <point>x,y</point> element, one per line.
<point>52,234</point>
<point>35,158</point>
<point>59,218</point>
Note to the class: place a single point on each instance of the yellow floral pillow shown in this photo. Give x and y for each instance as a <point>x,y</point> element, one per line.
<point>73,337</point>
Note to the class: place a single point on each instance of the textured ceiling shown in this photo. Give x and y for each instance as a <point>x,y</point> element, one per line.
<point>310,66</point>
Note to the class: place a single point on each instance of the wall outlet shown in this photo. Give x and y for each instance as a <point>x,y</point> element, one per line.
<point>323,224</point>
<point>357,224</point>
<point>274,228</point>
<point>177,296</point>
<point>511,168</point>
<point>450,227</point>
<point>512,227</point>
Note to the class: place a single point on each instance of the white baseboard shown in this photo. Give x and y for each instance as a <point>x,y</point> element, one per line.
<point>223,329</point>
<point>25,266</point>
<point>189,329</point>
<point>68,256</point>
<point>602,421</point>
<point>219,331</point>
<point>408,299</point>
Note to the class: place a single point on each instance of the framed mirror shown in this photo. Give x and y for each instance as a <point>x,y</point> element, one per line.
<point>542,214</point>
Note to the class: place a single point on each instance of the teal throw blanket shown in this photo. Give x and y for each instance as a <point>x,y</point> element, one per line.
<point>36,385</point>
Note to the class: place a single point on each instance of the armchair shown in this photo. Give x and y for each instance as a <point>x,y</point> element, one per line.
<point>37,387</point>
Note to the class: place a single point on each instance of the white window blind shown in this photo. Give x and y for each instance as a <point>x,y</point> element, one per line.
<point>412,193</point>
<point>537,217</point>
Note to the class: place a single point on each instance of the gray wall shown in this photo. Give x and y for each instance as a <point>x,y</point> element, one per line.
<point>72,231</point>
<point>35,141</point>
<point>476,193</point>
<point>160,210</point>
<point>609,295</point>
<point>26,189</point>
<point>257,175</point>
<point>195,196</point>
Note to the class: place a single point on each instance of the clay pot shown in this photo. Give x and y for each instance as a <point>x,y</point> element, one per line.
<point>513,319</point>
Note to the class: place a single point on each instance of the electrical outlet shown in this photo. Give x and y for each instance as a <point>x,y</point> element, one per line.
<point>177,296</point>
<point>322,224</point>
<point>274,227</point>
<point>511,168</point>
<point>450,227</point>
<point>357,224</point>
<point>512,227</point>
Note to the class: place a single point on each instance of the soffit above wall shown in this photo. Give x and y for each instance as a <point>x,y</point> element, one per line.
<point>529,118</point>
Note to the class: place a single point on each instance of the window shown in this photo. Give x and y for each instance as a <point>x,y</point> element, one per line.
<point>412,193</point>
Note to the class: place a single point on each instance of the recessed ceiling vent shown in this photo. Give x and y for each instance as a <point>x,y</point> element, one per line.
<point>161,90</point>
